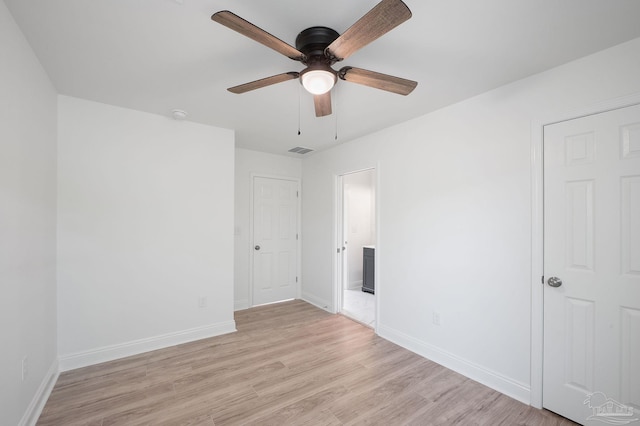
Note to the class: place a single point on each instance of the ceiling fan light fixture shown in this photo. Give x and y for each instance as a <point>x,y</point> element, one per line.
<point>321,47</point>
<point>318,81</point>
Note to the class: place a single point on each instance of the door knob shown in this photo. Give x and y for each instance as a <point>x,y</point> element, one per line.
<point>257,247</point>
<point>554,282</point>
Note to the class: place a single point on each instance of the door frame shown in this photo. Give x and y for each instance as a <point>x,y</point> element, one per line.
<point>338,234</point>
<point>298,231</point>
<point>537,229</point>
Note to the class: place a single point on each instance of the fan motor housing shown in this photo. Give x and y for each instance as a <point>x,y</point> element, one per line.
<point>313,41</point>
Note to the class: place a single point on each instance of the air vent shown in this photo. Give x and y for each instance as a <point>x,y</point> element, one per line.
<point>300,150</point>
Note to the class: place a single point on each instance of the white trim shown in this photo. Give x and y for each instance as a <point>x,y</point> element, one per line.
<point>337,265</point>
<point>298,230</point>
<point>338,223</point>
<point>121,350</point>
<point>31,415</point>
<point>317,302</point>
<point>299,248</point>
<point>354,285</point>
<point>537,317</point>
<point>480,374</point>
<point>240,305</point>
<point>537,230</point>
<point>379,285</point>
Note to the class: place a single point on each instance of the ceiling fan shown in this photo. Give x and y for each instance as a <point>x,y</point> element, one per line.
<point>320,47</point>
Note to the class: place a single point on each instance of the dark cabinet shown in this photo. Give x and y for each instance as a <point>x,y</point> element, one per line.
<point>368,269</point>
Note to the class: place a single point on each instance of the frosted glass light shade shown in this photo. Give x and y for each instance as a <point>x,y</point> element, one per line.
<point>318,82</point>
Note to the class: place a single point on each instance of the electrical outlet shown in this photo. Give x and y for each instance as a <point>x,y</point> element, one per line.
<point>25,368</point>
<point>202,302</point>
<point>436,318</point>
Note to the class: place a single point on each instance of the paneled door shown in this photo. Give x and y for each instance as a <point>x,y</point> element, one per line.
<point>592,267</point>
<point>275,240</point>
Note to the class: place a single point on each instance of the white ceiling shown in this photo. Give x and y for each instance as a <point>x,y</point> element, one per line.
<point>159,55</point>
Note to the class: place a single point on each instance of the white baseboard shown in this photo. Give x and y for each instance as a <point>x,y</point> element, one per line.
<point>487,377</point>
<point>239,305</point>
<point>110,353</point>
<point>30,417</point>
<point>355,285</point>
<point>316,301</point>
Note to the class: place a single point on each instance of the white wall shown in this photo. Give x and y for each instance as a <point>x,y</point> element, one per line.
<point>455,217</point>
<point>27,227</point>
<point>145,226</point>
<point>247,163</point>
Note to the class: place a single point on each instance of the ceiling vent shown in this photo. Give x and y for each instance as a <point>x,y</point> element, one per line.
<point>300,150</point>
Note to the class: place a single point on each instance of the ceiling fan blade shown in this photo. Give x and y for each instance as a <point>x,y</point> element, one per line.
<point>322,104</point>
<point>246,28</point>
<point>263,82</point>
<point>384,17</point>
<point>377,80</point>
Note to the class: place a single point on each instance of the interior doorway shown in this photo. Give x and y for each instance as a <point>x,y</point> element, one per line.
<point>592,267</point>
<point>357,235</point>
<point>538,291</point>
<point>274,231</point>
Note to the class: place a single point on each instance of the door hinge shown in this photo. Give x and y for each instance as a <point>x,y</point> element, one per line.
<point>542,280</point>
<point>296,236</point>
<point>296,279</point>
<point>297,194</point>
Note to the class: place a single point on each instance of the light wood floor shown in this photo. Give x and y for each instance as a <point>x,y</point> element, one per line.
<point>289,363</point>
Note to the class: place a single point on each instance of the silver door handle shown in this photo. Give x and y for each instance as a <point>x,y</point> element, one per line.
<point>554,282</point>
<point>257,248</point>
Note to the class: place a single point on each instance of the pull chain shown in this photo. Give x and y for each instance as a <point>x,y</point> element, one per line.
<point>335,107</point>
<point>299,96</point>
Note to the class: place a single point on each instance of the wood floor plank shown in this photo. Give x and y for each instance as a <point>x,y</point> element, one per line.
<point>278,395</point>
<point>288,364</point>
<point>305,409</point>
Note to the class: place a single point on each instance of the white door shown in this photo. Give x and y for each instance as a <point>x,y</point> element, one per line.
<point>275,240</point>
<point>592,244</point>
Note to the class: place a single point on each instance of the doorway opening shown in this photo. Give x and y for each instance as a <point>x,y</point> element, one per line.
<point>357,237</point>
